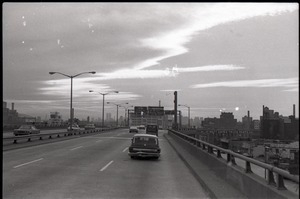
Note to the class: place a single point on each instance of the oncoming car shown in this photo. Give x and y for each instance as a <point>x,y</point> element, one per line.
<point>75,127</point>
<point>89,126</point>
<point>144,145</point>
<point>26,130</point>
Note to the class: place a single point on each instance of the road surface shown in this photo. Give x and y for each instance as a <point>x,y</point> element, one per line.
<point>96,166</point>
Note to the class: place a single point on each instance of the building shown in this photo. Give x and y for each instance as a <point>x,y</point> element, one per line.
<point>55,119</point>
<point>275,126</point>
<point>226,121</point>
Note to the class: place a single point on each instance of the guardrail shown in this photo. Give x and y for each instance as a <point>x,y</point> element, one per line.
<point>210,148</point>
<point>29,138</point>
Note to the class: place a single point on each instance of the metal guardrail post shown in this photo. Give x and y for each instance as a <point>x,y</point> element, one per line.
<point>248,167</point>
<point>41,138</point>
<point>219,154</point>
<point>232,158</point>
<point>280,182</point>
<point>228,157</point>
<point>29,140</point>
<point>210,149</point>
<point>271,180</point>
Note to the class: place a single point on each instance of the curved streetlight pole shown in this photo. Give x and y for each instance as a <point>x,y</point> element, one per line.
<point>103,94</point>
<point>188,112</point>
<point>117,110</point>
<point>71,77</point>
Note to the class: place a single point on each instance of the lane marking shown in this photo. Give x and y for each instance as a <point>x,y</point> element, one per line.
<point>76,148</point>
<point>99,140</point>
<point>105,167</point>
<point>28,163</point>
<point>125,149</point>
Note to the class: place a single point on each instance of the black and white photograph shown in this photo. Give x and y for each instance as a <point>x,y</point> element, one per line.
<point>150,100</point>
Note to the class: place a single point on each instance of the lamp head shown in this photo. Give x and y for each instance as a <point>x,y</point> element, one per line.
<point>51,73</point>
<point>91,91</point>
<point>93,72</point>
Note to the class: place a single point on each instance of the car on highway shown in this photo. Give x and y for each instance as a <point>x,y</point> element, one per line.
<point>26,130</point>
<point>144,145</point>
<point>89,126</point>
<point>152,129</point>
<point>75,127</point>
<point>133,129</point>
<point>141,129</point>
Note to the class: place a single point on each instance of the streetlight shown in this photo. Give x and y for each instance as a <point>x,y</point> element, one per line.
<point>188,112</point>
<point>117,109</point>
<point>71,77</point>
<point>103,94</point>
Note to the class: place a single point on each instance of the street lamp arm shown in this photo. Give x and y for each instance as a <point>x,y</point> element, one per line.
<point>51,73</point>
<point>93,72</point>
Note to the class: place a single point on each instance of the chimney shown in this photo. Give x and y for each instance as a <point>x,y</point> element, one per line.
<point>294,110</point>
<point>12,106</point>
<point>248,114</point>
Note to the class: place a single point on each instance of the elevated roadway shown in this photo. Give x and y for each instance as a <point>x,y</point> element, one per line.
<point>96,166</point>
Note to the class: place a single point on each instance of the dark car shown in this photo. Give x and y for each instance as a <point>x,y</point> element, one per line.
<point>152,129</point>
<point>26,130</point>
<point>133,129</point>
<point>144,145</point>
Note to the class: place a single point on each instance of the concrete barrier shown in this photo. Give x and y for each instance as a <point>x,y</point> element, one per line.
<point>251,185</point>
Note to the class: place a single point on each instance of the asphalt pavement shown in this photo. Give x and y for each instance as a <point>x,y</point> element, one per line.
<point>96,166</point>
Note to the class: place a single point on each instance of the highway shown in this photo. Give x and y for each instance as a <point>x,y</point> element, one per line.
<point>96,166</point>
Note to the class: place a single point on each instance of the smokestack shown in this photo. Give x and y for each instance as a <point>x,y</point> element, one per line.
<point>159,103</point>
<point>12,106</point>
<point>248,114</point>
<point>294,110</point>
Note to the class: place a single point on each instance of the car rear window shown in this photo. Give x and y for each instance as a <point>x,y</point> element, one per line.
<point>144,140</point>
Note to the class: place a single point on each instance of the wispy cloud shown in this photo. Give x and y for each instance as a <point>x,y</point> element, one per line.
<point>291,83</point>
<point>167,72</point>
<point>172,42</point>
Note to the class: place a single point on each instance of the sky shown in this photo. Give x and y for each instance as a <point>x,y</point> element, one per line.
<point>219,57</point>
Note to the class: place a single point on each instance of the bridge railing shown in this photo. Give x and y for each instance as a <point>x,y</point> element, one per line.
<point>210,148</point>
<point>41,136</point>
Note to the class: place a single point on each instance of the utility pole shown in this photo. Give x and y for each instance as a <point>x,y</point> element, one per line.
<point>175,110</point>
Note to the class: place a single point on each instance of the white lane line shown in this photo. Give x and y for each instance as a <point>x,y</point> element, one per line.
<point>125,149</point>
<point>28,163</point>
<point>107,165</point>
<point>75,148</point>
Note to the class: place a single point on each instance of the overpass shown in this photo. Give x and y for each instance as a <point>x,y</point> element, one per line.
<point>66,167</point>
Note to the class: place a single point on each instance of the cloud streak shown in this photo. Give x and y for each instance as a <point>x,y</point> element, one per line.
<point>172,42</point>
<point>291,83</point>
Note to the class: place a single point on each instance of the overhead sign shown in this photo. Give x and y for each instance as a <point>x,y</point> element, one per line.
<point>155,110</point>
<point>140,110</point>
<point>169,112</point>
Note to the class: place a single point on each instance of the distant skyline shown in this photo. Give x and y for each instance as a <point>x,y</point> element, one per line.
<point>232,57</point>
